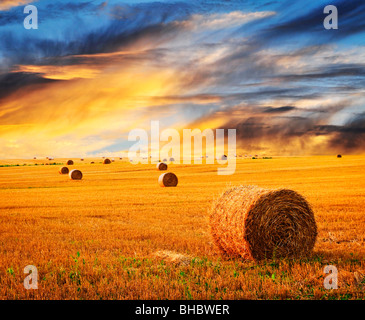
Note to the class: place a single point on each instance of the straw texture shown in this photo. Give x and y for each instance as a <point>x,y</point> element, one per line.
<point>254,223</point>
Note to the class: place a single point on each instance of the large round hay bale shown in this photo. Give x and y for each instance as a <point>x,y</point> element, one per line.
<point>75,175</point>
<point>63,170</point>
<point>161,166</point>
<point>254,223</point>
<point>107,161</point>
<point>70,162</point>
<point>168,180</point>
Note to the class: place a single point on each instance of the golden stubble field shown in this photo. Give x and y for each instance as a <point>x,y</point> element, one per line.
<point>118,235</point>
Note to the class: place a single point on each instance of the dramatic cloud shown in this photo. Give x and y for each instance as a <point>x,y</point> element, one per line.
<point>97,69</point>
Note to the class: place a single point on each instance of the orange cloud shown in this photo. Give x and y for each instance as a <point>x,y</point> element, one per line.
<point>61,72</point>
<point>62,116</point>
<point>7,4</point>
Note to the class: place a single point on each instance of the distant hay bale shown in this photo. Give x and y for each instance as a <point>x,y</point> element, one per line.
<point>92,162</point>
<point>63,170</point>
<point>164,160</point>
<point>224,157</point>
<point>339,156</point>
<point>254,223</point>
<point>70,163</point>
<point>75,175</point>
<point>172,159</point>
<point>161,166</point>
<point>168,180</point>
<point>107,161</point>
<point>81,159</point>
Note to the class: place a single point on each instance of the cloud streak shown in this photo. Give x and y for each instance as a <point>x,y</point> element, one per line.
<point>269,70</point>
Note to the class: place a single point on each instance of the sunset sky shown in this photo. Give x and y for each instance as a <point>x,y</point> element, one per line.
<point>94,70</point>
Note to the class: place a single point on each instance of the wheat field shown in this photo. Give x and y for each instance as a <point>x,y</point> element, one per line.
<point>117,235</point>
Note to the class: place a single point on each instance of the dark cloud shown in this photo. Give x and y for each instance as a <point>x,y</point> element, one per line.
<point>258,126</point>
<point>12,82</point>
<point>279,110</point>
<point>351,136</point>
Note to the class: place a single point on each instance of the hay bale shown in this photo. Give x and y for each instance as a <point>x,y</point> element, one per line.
<point>168,180</point>
<point>254,223</point>
<point>75,175</point>
<point>172,159</point>
<point>224,157</point>
<point>107,161</point>
<point>63,170</point>
<point>339,156</point>
<point>161,166</point>
<point>92,162</point>
<point>70,163</point>
<point>81,159</point>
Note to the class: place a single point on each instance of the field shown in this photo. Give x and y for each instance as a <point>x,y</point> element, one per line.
<point>118,235</point>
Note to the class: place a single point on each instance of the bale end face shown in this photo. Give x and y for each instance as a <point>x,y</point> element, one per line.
<point>107,161</point>
<point>70,162</point>
<point>75,175</point>
<point>63,170</point>
<point>161,166</point>
<point>256,224</point>
<point>168,180</point>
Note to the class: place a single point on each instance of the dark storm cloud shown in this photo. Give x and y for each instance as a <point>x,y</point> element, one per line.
<point>12,82</point>
<point>330,71</point>
<point>286,125</point>
<point>279,110</point>
<point>255,77</point>
<point>351,136</point>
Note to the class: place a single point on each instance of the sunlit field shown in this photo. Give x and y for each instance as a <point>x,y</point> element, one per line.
<point>117,235</point>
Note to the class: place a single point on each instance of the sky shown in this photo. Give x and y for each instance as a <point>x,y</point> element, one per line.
<point>95,70</point>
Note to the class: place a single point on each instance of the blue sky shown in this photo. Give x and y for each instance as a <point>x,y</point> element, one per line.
<point>94,70</point>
